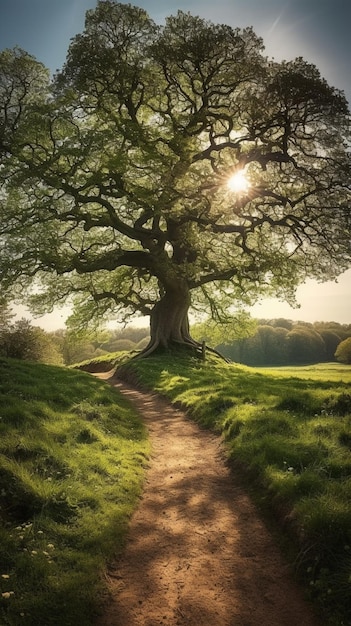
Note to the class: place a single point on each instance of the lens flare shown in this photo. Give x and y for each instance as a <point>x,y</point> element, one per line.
<point>239,182</point>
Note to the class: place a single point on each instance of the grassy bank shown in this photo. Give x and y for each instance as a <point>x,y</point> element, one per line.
<point>72,453</point>
<point>71,462</point>
<point>289,433</point>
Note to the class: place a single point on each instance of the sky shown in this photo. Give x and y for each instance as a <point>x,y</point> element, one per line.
<point>318,30</point>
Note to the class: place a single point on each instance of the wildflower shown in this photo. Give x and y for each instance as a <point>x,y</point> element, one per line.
<point>5,576</point>
<point>7,594</point>
<point>34,552</point>
<point>51,545</point>
<point>40,532</point>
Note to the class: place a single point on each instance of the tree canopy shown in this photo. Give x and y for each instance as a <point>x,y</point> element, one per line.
<point>114,174</point>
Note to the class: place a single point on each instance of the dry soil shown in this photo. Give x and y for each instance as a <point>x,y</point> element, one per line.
<point>197,552</point>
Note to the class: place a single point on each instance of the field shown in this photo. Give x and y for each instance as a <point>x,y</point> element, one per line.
<point>327,372</point>
<point>72,456</point>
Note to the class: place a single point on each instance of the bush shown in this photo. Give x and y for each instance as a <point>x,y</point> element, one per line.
<point>23,341</point>
<point>343,351</point>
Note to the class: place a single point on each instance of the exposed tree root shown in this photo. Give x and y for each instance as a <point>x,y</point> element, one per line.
<point>193,346</point>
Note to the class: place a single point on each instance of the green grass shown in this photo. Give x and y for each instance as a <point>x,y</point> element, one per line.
<point>103,363</point>
<point>72,454</point>
<point>72,458</point>
<point>288,432</point>
<point>328,372</point>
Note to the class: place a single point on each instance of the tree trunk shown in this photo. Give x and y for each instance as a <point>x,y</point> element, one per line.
<point>169,322</point>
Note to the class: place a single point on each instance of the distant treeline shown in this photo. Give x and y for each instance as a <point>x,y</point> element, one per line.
<point>284,342</point>
<point>275,342</point>
<point>76,348</point>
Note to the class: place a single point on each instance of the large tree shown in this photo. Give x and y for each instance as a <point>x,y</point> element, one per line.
<point>115,174</point>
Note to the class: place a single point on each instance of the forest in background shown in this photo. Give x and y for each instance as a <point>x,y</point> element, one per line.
<point>284,342</point>
<point>274,342</point>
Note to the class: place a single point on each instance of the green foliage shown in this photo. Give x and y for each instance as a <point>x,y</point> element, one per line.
<point>72,454</point>
<point>288,431</point>
<point>280,342</point>
<point>90,346</point>
<point>6,316</point>
<point>226,330</point>
<point>114,175</point>
<point>331,342</point>
<point>305,345</point>
<point>21,340</point>
<point>343,351</point>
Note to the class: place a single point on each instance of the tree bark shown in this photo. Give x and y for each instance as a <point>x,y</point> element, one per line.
<point>169,323</point>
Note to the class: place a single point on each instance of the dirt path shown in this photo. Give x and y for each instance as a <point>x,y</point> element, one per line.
<point>197,553</point>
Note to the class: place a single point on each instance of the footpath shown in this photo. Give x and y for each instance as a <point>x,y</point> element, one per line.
<point>197,552</point>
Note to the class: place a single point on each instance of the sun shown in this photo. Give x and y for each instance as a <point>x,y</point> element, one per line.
<point>239,182</point>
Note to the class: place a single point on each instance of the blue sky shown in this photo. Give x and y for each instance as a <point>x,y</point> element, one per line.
<point>318,30</point>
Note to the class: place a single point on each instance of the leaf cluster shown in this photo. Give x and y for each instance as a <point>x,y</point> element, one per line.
<point>114,175</point>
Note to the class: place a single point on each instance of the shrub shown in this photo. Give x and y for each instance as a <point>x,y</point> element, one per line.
<point>343,351</point>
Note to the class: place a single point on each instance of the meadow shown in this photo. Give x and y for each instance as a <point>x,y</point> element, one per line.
<point>73,454</point>
<point>72,458</point>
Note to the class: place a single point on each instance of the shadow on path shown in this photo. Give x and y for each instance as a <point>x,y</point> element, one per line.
<point>197,553</point>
